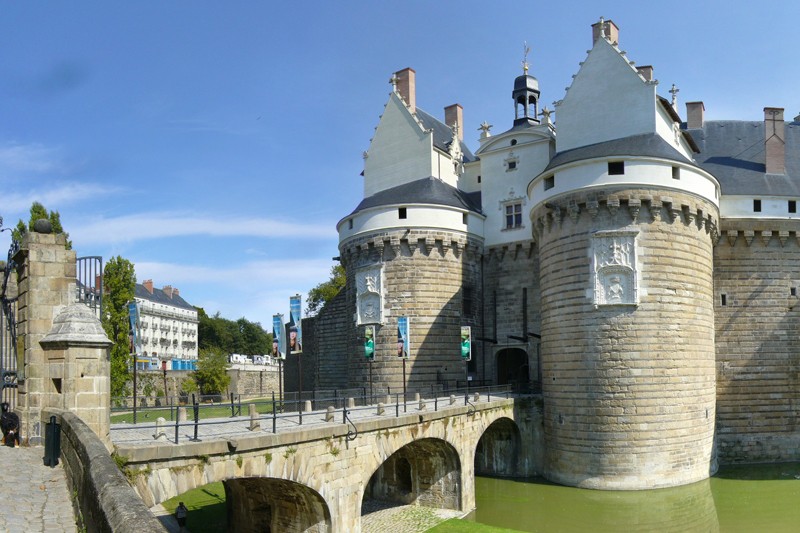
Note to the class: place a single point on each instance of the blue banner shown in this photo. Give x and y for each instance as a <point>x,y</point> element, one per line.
<point>133,318</point>
<point>278,344</point>
<point>403,337</point>
<point>295,328</point>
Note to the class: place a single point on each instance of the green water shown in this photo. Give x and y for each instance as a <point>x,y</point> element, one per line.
<point>763,498</point>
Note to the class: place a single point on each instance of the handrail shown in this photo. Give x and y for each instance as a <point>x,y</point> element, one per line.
<point>351,435</point>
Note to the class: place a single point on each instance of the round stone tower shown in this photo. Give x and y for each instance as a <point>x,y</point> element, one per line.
<point>627,318</point>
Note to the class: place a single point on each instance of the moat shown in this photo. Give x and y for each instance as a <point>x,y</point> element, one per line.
<point>737,499</point>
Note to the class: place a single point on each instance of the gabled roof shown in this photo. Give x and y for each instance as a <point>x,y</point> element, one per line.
<point>643,145</point>
<point>160,297</point>
<point>442,134</point>
<point>428,190</point>
<point>734,152</point>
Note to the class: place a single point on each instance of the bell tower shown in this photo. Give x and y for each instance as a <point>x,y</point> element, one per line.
<point>526,95</point>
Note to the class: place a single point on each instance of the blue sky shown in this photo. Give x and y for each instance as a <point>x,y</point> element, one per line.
<point>216,144</point>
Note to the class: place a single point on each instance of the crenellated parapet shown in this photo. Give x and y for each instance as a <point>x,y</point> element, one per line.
<point>626,208</point>
<point>385,246</point>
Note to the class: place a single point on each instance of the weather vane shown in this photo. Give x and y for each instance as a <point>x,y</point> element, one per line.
<point>525,51</point>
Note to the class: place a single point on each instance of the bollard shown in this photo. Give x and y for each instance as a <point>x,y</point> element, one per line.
<point>329,413</point>
<point>307,406</point>
<point>52,442</point>
<point>388,400</point>
<point>421,403</point>
<point>255,423</point>
<point>351,403</point>
<point>416,396</point>
<point>476,397</point>
<point>452,399</point>
<point>181,414</point>
<point>161,431</point>
<point>381,408</point>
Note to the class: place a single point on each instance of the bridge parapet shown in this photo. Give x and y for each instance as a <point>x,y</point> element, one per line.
<point>329,473</point>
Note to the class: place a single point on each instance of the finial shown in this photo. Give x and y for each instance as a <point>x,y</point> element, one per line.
<point>525,51</point>
<point>545,113</point>
<point>393,80</point>
<point>674,92</point>
<point>484,129</point>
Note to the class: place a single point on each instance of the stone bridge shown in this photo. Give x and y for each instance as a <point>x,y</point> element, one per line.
<point>312,478</point>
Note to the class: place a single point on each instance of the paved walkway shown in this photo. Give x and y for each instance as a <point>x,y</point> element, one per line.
<point>34,497</point>
<point>382,517</point>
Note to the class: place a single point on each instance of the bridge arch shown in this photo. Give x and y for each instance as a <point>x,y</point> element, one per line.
<point>499,449</point>
<point>426,471</point>
<point>271,505</point>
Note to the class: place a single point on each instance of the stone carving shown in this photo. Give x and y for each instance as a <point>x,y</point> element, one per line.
<point>614,268</point>
<point>369,299</point>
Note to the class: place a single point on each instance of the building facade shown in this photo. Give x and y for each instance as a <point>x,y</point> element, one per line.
<point>639,269</point>
<point>168,328</point>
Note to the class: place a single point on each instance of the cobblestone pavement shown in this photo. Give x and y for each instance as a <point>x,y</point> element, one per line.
<point>382,517</point>
<point>35,497</point>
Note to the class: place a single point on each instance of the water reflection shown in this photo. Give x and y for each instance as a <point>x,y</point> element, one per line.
<point>746,499</point>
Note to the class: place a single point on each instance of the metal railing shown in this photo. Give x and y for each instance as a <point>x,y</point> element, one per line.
<point>206,411</point>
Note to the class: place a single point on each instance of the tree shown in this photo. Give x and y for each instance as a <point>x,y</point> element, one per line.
<point>119,282</point>
<point>240,336</point>
<point>325,291</point>
<point>211,374</point>
<point>39,211</point>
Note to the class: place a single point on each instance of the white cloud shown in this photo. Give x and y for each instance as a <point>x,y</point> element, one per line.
<point>29,158</point>
<point>155,225</point>
<point>55,197</point>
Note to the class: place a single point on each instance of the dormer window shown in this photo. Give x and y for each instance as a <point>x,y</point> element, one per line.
<point>511,162</point>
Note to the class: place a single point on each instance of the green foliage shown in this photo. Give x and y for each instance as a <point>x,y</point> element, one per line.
<point>119,282</point>
<point>325,291</point>
<point>232,336</point>
<point>39,211</point>
<point>211,374</point>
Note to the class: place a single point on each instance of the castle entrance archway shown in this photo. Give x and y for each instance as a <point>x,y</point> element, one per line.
<point>512,367</point>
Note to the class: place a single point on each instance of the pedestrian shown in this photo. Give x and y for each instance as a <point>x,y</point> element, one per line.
<point>9,421</point>
<point>180,515</point>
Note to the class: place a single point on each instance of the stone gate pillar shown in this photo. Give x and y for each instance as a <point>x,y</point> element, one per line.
<point>65,363</point>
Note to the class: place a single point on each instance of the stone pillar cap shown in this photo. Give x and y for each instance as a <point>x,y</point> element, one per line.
<point>76,324</point>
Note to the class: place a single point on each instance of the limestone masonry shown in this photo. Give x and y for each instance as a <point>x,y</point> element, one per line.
<point>639,269</point>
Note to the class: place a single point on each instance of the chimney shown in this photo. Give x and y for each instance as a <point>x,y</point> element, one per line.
<point>646,71</point>
<point>774,136</point>
<point>407,87</point>
<point>694,115</point>
<point>454,115</point>
<point>176,292</point>
<point>609,30</point>
<point>148,284</point>
<point>168,290</point>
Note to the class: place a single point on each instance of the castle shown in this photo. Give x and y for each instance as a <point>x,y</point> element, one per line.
<point>639,269</point>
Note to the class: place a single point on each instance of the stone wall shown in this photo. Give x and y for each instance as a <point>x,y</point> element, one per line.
<point>424,276</point>
<point>511,276</point>
<point>106,500</point>
<point>756,268</point>
<point>629,389</point>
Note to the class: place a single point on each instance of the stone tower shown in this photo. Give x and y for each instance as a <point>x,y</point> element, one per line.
<point>625,223</point>
<point>412,247</point>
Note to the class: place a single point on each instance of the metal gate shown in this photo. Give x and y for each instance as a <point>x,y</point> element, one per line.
<point>8,330</point>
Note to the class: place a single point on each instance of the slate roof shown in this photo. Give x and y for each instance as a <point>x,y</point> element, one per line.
<point>160,297</point>
<point>428,190</point>
<point>442,135</point>
<point>733,151</point>
<point>647,144</point>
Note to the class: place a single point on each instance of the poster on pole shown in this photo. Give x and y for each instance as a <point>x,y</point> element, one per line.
<point>278,344</point>
<point>403,337</point>
<point>295,328</point>
<point>369,342</point>
<point>466,343</point>
<point>133,318</point>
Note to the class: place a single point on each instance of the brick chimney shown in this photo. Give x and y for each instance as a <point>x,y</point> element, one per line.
<point>774,138</point>
<point>175,291</point>
<point>168,290</point>
<point>694,115</point>
<point>148,284</point>
<point>609,30</point>
<point>407,87</point>
<point>454,114</point>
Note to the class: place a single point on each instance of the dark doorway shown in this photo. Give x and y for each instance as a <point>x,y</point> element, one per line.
<point>512,367</point>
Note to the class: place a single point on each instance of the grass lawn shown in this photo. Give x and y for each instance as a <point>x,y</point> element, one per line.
<point>207,512</point>
<point>148,415</point>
